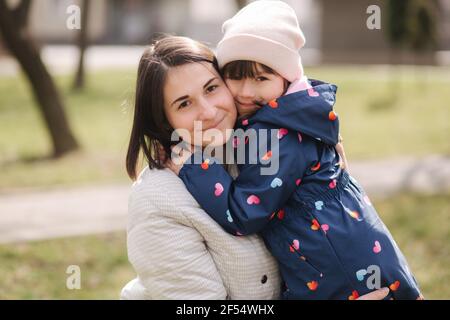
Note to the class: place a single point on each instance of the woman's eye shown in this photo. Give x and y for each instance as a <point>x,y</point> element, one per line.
<point>211,88</point>
<point>184,104</point>
<point>261,79</point>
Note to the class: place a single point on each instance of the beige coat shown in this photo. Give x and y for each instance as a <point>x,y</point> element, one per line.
<point>179,252</point>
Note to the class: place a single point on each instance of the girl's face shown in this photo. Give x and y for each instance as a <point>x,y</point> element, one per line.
<point>251,93</point>
<point>196,92</point>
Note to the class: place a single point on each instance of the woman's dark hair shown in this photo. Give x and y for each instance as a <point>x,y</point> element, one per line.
<point>150,126</point>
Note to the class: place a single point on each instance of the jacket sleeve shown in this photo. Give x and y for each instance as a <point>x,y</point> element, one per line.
<point>308,112</point>
<point>245,206</point>
<point>170,256</point>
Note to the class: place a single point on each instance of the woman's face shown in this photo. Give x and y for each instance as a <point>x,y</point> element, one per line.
<point>194,95</point>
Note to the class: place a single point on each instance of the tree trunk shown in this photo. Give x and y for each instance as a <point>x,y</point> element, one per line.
<point>45,92</point>
<point>82,45</point>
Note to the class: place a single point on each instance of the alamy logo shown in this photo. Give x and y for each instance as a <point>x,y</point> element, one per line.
<point>373,22</point>
<point>74,280</point>
<point>373,280</point>
<point>262,146</point>
<point>73,22</point>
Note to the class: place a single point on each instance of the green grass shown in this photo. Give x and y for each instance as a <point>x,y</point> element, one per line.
<point>420,225</point>
<point>384,113</point>
<point>37,270</point>
<point>391,111</point>
<point>100,117</point>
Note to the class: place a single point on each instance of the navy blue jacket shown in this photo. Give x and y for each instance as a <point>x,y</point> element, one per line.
<point>314,218</point>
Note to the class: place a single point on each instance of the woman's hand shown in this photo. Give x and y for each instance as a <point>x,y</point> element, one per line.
<point>379,294</point>
<point>173,167</point>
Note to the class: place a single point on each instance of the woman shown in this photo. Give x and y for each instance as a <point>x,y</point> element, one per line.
<point>176,249</point>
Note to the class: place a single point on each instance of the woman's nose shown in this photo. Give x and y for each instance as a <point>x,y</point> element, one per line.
<point>208,110</point>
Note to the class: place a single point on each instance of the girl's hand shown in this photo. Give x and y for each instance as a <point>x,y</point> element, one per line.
<point>379,294</point>
<point>340,150</point>
<point>161,154</point>
<point>178,158</point>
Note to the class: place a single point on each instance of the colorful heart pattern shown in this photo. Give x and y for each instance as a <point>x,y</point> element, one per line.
<point>235,142</point>
<point>267,156</point>
<point>296,244</point>
<point>360,274</point>
<point>315,225</point>
<point>312,285</point>
<point>229,217</point>
<point>312,92</point>
<point>253,200</point>
<point>281,133</point>
<point>332,116</point>
<point>273,104</point>
<point>353,213</point>
<point>277,182</point>
<point>205,164</point>
<point>319,205</point>
<point>354,296</point>
<point>316,167</point>
<point>280,214</point>
<point>377,247</point>
<point>218,189</point>
<point>332,184</point>
<point>394,286</point>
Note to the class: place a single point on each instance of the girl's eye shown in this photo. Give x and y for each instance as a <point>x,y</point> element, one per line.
<point>184,104</point>
<point>261,79</point>
<point>211,88</point>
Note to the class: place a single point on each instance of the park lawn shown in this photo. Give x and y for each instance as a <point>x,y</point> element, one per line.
<point>100,117</point>
<point>384,112</point>
<point>37,270</point>
<point>391,111</point>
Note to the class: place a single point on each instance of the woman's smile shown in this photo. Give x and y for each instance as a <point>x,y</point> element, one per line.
<point>217,124</point>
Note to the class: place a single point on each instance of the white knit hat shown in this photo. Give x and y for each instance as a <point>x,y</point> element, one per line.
<point>266,32</point>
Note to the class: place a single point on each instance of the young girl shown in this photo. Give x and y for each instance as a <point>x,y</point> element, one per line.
<point>315,219</point>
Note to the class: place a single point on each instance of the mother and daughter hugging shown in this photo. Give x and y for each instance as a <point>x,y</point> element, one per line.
<point>204,228</point>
